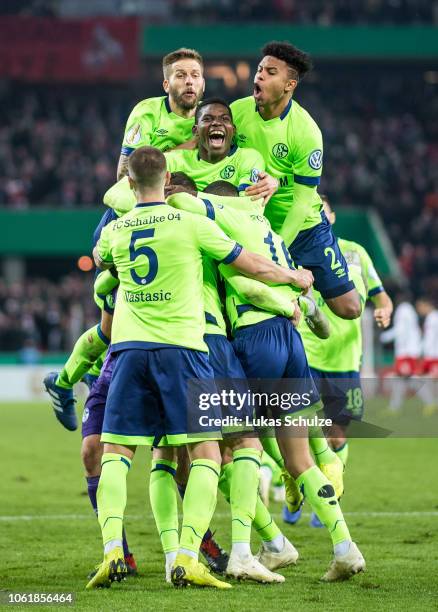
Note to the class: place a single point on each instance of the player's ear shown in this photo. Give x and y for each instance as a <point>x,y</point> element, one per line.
<point>131,183</point>
<point>195,130</point>
<point>291,85</point>
<point>166,85</point>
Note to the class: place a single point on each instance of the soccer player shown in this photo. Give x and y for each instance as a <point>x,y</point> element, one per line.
<point>268,346</point>
<point>216,157</point>
<point>406,335</point>
<point>91,346</point>
<point>155,361</point>
<point>290,142</point>
<point>163,122</point>
<point>426,308</point>
<point>167,121</point>
<point>335,362</point>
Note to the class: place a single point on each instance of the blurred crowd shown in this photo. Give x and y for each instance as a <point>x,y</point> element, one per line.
<point>43,315</point>
<point>316,12</point>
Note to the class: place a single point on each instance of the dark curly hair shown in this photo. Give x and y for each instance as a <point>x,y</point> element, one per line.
<point>297,60</point>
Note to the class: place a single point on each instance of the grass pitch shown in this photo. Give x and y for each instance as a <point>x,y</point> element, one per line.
<point>51,539</point>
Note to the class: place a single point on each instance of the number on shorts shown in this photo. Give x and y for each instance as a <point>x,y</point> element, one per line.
<point>335,263</point>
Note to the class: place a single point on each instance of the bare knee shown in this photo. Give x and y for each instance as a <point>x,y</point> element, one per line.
<point>91,454</point>
<point>346,306</point>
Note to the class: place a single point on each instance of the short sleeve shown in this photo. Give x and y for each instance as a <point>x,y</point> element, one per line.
<point>138,129</point>
<point>371,279</point>
<point>307,154</point>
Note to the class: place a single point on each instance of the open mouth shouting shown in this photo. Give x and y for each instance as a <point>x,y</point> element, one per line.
<point>216,137</point>
<point>258,92</point>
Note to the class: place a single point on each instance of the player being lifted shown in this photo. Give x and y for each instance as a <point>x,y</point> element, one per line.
<point>215,158</point>
<point>290,142</point>
<point>148,391</point>
<point>335,362</point>
<point>163,122</point>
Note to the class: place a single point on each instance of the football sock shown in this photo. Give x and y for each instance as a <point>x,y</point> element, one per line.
<point>320,447</point>
<point>97,365</point>
<point>263,522</point>
<point>181,490</point>
<point>92,484</point>
<point>111,495</point>
<point>199,503</point>
<point>164,506</point>
<point>244,492</point>
<point>273,466</point>
<point>87,349</point>
<point>270,446</point>
<point>320,494</point>
<point>342,453</point>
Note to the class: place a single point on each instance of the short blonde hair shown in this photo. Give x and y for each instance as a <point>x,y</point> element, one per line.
<point>180,54</point>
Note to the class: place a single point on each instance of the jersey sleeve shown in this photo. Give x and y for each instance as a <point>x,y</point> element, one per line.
<point>370,277</point>
<point>214,242</point>
<point>251,165</point>
<point>120,197</point>
<point>188,202</point>
<point>138,128</point>
<point>104,245</point>
<point>258,294</point>
<point>307,154</point>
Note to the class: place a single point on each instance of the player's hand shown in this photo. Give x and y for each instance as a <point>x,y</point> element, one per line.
<point>172,189</point>
<point>265,187</point>
<point>303,279</point>
<point>295,318</point>
<point>382,317</point>
<point>189,144</point>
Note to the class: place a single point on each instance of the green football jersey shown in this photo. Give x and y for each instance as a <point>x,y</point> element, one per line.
<point>152,122</point>
<point>240,167</point>
<point>250,228</point>
<point>291,146</point>
<point>342,351</point>
<point>157,251</point>
<point>214,316</point>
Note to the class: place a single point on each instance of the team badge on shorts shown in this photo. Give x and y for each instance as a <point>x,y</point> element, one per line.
<point>280,150</point>
<point>315,159</point>
<point>85,415</point>
<point>228,172</point>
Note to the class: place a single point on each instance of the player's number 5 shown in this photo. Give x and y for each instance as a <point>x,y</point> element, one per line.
<point>147,252</point>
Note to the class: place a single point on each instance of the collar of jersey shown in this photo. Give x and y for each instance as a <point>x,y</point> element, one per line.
<point>169,110</point>
<point>283,114</point>
<point>142,204</point>
<point>232,151</point>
